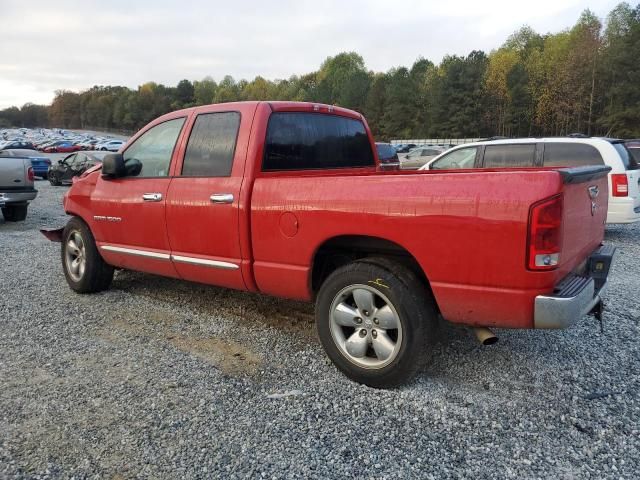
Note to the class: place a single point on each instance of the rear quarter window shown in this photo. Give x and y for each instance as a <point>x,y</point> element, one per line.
<point>627,159</point>
<point>307,141</point>
<point>571,155</point>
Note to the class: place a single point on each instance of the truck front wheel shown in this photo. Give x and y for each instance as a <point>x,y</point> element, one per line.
<point>84,268</point>
<point>376,321</point>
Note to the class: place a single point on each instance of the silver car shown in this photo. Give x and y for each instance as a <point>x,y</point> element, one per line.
<point>419,156</point>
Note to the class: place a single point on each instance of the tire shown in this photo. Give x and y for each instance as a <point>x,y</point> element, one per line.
<point>15,213</point>
<point>44,176</point>
<point>54,180</point>
<point>399,298</point>
<point>91,273</point>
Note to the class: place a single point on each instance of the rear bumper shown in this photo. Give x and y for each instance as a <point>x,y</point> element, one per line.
<point>623,210</point>
<point>576,295</point>
<point>18,196</point>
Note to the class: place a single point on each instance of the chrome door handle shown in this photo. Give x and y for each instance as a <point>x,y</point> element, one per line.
<point>152,197</point>
<point>221,198</point>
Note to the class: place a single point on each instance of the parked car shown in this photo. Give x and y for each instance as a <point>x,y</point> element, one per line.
<point>112,145</point>
<point>417,157</point>
<point>388,156</point>
<point>287,199</point>
<point>60,146</point>
<point>39,162</point>
<point>16,187</point>
<point>16,144</point>
<point>73,165</point>
<point>624,177</point>
<point>405,148</point>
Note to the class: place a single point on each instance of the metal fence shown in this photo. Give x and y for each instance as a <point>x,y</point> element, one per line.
<point>437,141</point>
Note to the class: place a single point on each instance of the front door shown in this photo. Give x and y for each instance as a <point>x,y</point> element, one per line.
<point>129,213</point>
<point>203,199</point>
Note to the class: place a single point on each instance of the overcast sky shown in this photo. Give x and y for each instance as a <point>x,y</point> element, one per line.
<point>46,45</point>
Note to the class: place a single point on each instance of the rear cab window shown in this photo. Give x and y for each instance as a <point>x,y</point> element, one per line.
<point>315,141</point>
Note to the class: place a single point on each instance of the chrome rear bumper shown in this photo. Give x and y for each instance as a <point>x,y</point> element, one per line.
<point>576,295</point>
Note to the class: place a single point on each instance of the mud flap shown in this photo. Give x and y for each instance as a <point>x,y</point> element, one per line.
<point>53,234</point>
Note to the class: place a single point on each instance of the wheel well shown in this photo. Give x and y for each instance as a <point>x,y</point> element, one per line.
<point>339,251</point>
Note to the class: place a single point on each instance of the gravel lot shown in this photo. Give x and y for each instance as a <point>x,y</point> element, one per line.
<point>162,378</point>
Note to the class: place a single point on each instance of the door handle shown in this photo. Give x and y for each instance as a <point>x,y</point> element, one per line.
<point>221,198</point>
<point>152,197</point>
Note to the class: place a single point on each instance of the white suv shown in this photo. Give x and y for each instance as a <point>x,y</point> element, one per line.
<point>624,178</point>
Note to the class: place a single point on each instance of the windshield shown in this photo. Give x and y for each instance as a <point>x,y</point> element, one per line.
<point>628,160</point>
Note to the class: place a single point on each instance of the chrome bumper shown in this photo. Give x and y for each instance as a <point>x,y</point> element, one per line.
<point>576,295</point>
<point>17,196</point>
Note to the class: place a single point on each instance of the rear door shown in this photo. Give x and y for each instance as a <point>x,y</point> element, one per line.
<point>203,200</point>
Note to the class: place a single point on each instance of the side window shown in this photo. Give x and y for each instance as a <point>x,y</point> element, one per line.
<point>571,155</point>
<point>431,152</point>
<point>79,160</point>
<point>212,144</point>
<point>304,141</point>
<point>506,156</point>
<point>154,148</point>
<point>71,160</point>
<point>462,158</point>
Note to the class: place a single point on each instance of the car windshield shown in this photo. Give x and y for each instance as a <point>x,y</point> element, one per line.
<point>628,159</point>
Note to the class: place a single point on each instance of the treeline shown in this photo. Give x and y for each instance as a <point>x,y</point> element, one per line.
<point>585,79</point>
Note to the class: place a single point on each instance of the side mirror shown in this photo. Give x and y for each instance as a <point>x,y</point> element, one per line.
<point>113,166</point>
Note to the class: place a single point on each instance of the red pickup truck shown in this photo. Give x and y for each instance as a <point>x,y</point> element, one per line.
<point>288,199</point>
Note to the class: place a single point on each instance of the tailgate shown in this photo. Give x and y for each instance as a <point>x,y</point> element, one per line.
<point>585,199</point>
<point>13,173</point>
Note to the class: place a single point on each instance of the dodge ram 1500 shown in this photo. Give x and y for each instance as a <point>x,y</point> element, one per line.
<point>288,199</point>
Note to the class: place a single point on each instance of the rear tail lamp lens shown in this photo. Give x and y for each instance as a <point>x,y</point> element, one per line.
<point>30,174</point>
<point>545,234</point>
<point>620,185</point>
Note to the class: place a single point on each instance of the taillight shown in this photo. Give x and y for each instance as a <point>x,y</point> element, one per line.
<point>545,234</point>
<point>30,174</point>
<point>619,185</point>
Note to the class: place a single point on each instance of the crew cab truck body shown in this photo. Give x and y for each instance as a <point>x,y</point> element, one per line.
<point>287,199</point>
<point>16,187</point>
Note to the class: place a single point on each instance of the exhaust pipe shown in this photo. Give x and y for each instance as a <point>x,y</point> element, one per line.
<point>485,336</point>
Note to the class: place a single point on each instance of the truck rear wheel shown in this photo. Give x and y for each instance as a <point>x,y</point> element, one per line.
<point>15,213</point>
<point>84,268</point>
<point>376,321</point>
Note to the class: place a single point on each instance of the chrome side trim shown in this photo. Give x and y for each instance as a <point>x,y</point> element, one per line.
<point>133,251</point>
<point>206,263</point>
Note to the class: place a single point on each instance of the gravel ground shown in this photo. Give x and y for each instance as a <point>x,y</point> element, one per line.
<point>162,378</point>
